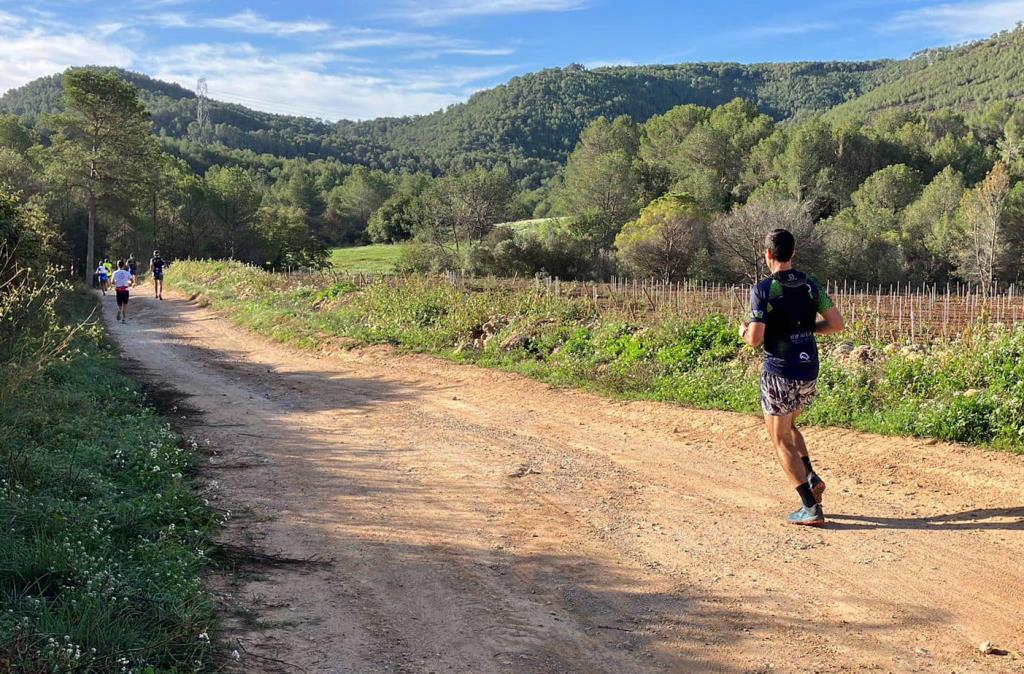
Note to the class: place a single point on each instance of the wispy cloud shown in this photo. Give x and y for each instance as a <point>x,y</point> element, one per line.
<point>249,21</point>
<point>370,38</point>
<point>8,20</point>
<point>959,21</point>
<point>782,29</point>
<point>443,11</point>
<point>246,21</point>
<point>425,45</point>
<point>481,51</point>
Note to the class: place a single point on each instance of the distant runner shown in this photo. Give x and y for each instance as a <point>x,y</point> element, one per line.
<point>102,274</point>
<point>156,267</point>
<point>784,311</point>
<point>110,267</point>
<point>133,267</point>
<point>123,280</point>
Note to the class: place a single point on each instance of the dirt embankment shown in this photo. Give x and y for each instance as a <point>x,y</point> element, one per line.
<point>466,520</point>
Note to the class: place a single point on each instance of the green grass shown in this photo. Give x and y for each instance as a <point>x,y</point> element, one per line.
<point>375,259</point>
<point>104,538</point>
<point>969,391</point>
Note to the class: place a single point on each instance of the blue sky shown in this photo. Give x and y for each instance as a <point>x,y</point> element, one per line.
<point>359,59</point>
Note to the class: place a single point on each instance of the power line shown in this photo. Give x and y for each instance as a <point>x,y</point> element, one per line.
<point>295,110</point>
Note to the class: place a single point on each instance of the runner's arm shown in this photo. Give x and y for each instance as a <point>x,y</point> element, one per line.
<point>752,332</point>
<point>832,322</point>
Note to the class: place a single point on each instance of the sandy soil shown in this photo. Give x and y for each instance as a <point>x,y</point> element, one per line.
<point>467,520</point>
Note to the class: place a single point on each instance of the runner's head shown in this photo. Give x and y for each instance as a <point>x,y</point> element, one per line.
<point>779,245</point>
<point>120,264</point>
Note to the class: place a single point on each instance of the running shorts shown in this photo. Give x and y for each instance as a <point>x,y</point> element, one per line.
<point>122,296</point>
<point>781,396</point>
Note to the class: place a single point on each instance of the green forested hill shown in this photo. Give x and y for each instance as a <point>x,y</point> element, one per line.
<point>535,120</point>
<point>529,124</point>
<point>532,123</point>
<point>964,79</point>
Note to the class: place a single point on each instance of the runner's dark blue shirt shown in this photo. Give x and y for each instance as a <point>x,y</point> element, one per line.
<point>788,303</point>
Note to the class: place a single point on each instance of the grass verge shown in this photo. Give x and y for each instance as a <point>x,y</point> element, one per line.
<point>969,391</point>
<point>104,540</point>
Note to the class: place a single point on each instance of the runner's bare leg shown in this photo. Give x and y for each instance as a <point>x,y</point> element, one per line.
<point>782,430</point>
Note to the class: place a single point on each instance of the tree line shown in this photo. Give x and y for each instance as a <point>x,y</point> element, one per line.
<point>909,197</point>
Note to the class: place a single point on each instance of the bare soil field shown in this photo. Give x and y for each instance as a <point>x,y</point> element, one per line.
<point>420,516</point>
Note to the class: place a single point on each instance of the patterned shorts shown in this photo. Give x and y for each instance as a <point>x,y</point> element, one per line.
<point>781,396</point>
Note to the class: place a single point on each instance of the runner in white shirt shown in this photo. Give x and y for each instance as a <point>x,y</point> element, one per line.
<point>122,282</point>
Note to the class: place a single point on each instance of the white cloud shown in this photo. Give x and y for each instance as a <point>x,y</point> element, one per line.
<point>424,45</point>
<point>297,84</point>
<point>959,21</point>
<point>330,80</point>
<point>249,21</point>
<point>368,38</point>
<point>443,11</point>
<point>107,29</point>
<point>168,20</point>
<point>246,21</point>
<point>8,21</point>
<point>481,51</point>
<point>36,53</point>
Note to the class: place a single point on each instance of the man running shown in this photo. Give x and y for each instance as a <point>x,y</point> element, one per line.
<point>122,282</point>
<point>102,275</point>
<point>784,311</point>
<point>156,267</point>
<point>133,266</point>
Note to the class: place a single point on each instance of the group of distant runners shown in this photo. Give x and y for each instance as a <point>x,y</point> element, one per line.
<point>123,274</point>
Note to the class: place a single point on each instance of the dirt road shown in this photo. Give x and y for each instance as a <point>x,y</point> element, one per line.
<point>474,521</point>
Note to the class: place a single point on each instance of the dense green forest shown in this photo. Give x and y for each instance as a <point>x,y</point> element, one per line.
<point>703,158</point>
<point>966,79</point>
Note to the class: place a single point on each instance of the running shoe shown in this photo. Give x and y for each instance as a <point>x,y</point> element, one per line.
<point>807,516</point>
<point>817,487</point>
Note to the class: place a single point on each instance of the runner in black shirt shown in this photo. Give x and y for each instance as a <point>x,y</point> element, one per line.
<point>156,267</point>
<point>784,311</point>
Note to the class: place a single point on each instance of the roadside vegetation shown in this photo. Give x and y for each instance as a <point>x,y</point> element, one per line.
<point>104,540</point>
<point>970,390</point>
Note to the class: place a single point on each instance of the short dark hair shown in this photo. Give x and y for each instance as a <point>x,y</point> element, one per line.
<point>781,244</point>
